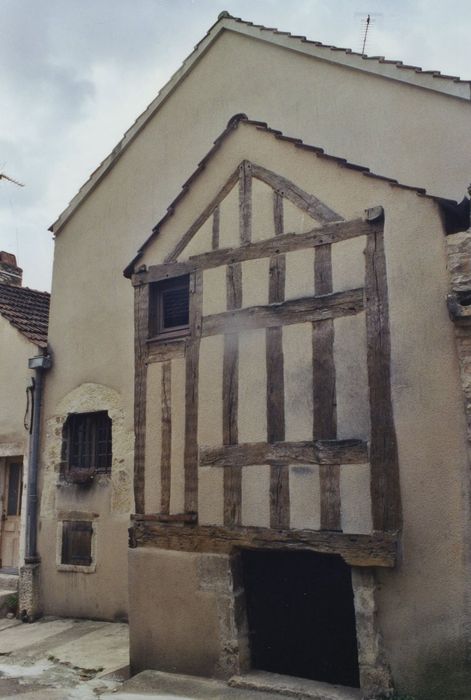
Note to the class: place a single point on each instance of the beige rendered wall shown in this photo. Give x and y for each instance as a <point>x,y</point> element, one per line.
<point>107,502</point>
<point>15,351</point>
<point>397,130</point>
<point>15,376</point>
<point>422,603</point>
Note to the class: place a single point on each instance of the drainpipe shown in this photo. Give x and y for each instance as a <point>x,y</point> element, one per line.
<point>40,363</point>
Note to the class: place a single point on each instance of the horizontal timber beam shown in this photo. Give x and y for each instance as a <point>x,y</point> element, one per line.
<point>284,243</point>
<point>312,309</point>
<point>161,351</point>
<point>281,453</point>
<point>157,273</point>
<point>378,549</point>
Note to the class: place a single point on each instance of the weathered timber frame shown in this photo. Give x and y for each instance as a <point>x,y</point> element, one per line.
<point>378,549</point>
<point>181,530</point>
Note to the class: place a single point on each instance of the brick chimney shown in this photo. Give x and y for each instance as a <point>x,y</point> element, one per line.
<point>10,273</point>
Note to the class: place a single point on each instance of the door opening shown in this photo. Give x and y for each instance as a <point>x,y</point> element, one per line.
<point>301,615</point>
<point>11,512</point>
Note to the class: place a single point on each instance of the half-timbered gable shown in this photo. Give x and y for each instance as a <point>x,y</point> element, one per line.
<point>267,421</point>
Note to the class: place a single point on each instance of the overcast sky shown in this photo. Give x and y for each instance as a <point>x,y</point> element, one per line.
<point>74,75</point>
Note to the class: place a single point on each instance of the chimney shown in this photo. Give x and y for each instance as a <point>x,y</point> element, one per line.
<point>10,273</point>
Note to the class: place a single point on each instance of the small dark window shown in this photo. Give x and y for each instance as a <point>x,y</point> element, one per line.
<point>169,307</point>
<point>15,472</point>
<point>87,442</point>
<point>77,542</point>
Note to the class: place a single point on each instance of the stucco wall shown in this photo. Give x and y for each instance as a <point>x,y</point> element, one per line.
<point>106,502</point>
<point>15,376</point>
<point>415,135</point>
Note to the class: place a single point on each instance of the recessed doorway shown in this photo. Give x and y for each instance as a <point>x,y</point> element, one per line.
<point>301,615</point>
<point>11,478</point>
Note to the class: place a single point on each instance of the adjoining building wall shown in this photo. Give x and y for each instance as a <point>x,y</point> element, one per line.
<point>14,378</point>
<point>15,350</point>
<point>106,502</point>
<point>422,608</point>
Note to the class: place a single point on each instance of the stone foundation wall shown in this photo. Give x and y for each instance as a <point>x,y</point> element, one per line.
<point>186,613</point>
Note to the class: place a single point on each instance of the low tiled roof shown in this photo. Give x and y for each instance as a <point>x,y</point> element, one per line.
<point>27,310</point>
<point>318,152</point>
<point>449,85</point>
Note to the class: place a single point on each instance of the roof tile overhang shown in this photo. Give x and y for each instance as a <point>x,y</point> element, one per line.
<point>27,310</point>
<point>449,85</point>
<point>317,152</point>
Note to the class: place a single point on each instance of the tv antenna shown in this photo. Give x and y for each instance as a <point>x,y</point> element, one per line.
<point>3,176</point>
<point>366,23</point>
<point>366,26</point>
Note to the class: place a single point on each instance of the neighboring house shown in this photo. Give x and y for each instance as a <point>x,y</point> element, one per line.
<point>371,340</point>
<point>23,330</point>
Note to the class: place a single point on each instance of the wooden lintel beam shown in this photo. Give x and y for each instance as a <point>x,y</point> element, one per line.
<point>282,453</point>
<point>157,273</point>
<point>284,243</point>
<point>317,308</point>
<point>378,549</point>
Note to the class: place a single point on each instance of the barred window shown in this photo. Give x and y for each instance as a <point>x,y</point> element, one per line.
<point>87,442</point>
<point>169,307</point>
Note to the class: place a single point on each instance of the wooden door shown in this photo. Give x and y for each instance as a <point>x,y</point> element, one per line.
<point>11,512</point>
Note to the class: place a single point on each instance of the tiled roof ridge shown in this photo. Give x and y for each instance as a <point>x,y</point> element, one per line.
<point>24,289</point>
<point>141,119</point>
<point>27,310</point>
<point>299,37</point>
<point>319,152</point>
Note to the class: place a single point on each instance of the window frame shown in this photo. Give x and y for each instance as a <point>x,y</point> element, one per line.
<point>157,290</point>
<point>76,567</point>
<point>89,423</point>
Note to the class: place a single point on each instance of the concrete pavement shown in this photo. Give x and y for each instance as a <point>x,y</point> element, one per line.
<point>66,659</point>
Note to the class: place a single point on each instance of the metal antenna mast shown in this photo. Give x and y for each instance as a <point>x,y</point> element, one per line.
<point>367,26</point>
<point>10,179</point>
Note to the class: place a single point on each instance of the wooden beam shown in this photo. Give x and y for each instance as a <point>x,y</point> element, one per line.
<point>157,273</point>
<point>278,213</point>
<point>141,323</point>
<point>166,437</point>
<point>245,202</point>
<point>324,392</point>
<point>378,549</point>
<point>279,476</point>
<point>324,452</point>
<point>305,201</point>
<point>191,393</point>
<point>161,351</point>
<point>385,487</point>
<point>215,229</point>
<point>313,309</point>
<point>277,273</point>
<point>165,517</point>
<point>234,286</point>
<point>205,214</point>
<point>284,243</point>
<point>279,497</point>
<point>232,478</point>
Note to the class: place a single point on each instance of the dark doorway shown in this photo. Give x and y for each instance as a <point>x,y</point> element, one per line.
<point>301,615</point>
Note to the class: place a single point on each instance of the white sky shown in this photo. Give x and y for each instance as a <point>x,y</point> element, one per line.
<point>74,75</point>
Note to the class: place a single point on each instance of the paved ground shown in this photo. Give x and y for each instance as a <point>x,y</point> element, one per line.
<point>63,659</point>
